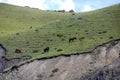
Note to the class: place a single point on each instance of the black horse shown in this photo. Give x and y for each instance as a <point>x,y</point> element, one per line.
<point>72,39</point>
<point>46,49</point>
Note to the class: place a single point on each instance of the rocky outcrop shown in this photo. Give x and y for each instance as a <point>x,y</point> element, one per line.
<point>109,72</point>
<point>2,51</point>
<point>71,67</point>
<point>2,58</point>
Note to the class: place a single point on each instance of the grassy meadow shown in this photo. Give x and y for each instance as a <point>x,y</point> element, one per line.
<point>32,30</point>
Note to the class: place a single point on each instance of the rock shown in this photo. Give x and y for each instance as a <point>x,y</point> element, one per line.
<point>110,72</point>
<point>3,51</point>
<point>2,58</point>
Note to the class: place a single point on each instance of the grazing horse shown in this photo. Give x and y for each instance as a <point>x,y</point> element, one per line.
<point>18,50</point>
<point>46,49</point>
<point>72,39</point>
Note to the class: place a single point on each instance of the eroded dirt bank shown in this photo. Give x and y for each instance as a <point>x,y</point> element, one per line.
<point>67,68</point>
<point>109,72</point>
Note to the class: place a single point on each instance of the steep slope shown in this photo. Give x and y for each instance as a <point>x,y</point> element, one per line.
<point>70,67</point>
<point>53,30</point>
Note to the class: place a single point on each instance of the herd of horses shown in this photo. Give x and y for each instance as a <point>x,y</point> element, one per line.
<point>72,39</point>
<point>45,50</point>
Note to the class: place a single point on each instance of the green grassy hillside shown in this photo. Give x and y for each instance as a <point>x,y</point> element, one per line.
<point>14,18</point>
<point>32,30</point>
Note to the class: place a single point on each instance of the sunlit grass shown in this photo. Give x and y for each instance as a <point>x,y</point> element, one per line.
<point>33,29</point>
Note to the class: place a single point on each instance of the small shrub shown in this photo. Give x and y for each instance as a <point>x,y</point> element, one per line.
<point>113,43</point>
<point>101,38</point>
<point>73,13</point>
<point>59,50</point>
<point>87,33</point>
<point>51,40</point>
<point>55,70</point>
<point>30,27</point>
<point>36,30</point>
<point>76,33</point>
<point>63,39</point>
<point>27,42</point>
<point>64,36</point>
<point>110,37</point>
<point>47,40</point>
<point>104,32</point>
<point>99,32</point>
<point>35,51</point>
<point>6,16</point>
<point>53,34</point>
<point>39,77</point>
<point>86,30</point>
<point>81,38</point>
<point>17,33</point>
<point>79,18</point>
<point>51,75</point>
<point>59,35</point>
<point>70,25</point>
<point>55,48</point>
<point>90,70</point>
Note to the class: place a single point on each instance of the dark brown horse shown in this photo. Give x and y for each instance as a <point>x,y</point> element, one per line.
<point>17,50</point>
<point>72,39</point>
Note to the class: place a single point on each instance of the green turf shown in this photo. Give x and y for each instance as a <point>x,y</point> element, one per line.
<point>54,29</point>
